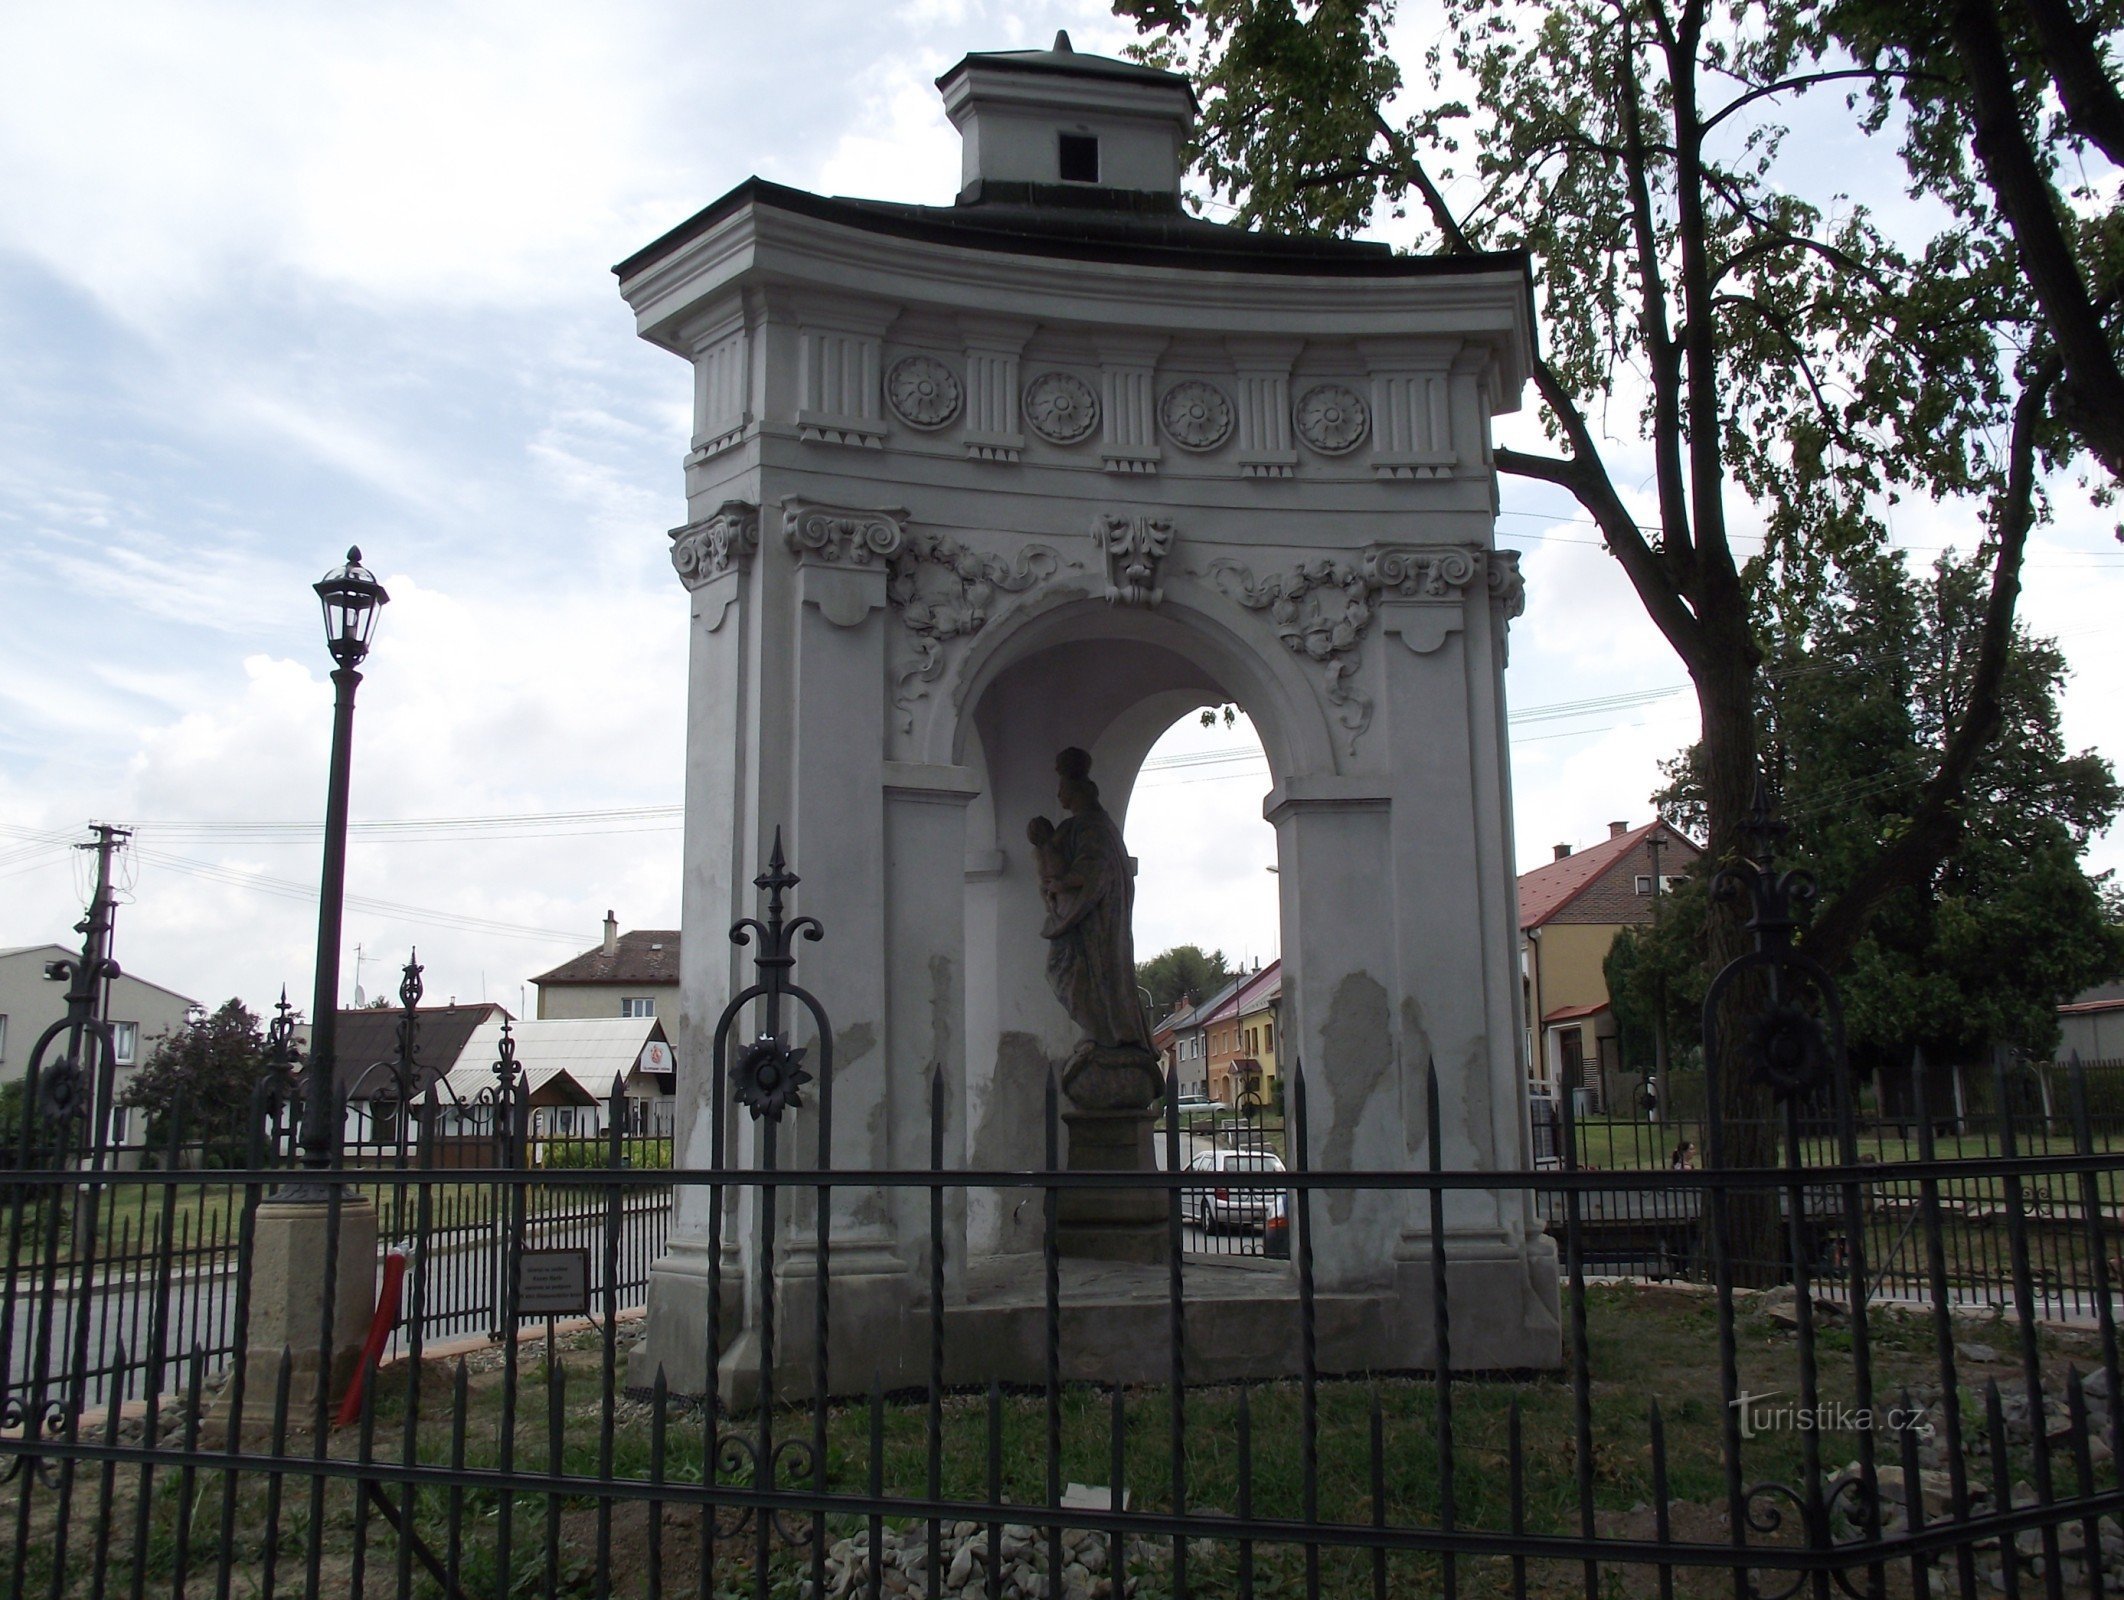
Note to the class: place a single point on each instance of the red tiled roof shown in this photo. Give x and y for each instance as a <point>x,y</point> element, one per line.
<point>1548,889</point>
<point>1573,1013</point>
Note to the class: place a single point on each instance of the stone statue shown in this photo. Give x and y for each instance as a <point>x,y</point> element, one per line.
<point>1091,952</point>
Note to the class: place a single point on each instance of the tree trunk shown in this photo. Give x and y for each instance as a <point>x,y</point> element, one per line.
<point>1743,1133</point>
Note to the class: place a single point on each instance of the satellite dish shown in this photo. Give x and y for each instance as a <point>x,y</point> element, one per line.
<point>359,999</point>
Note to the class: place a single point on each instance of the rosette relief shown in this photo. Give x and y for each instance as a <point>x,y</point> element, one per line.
<point>1333,419</point>
<point>1061,408</point>
<point>1195,415</point>
<point>923,392</point>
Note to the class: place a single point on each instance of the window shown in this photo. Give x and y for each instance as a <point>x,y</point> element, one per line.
<point>1077,157</point>
<point>125,1041</point>
<point>639,1005</point>
<point>1644,883</point>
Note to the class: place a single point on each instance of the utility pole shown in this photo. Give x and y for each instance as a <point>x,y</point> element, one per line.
<point>101,923</point>
<point>1654,843</point>
<point>93,982</point>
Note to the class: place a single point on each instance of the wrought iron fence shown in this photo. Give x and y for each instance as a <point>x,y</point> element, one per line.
<point>1897,1399</point>
<point>126,1256</point>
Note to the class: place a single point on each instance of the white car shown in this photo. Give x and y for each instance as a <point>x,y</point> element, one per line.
<point>1222,1205</point>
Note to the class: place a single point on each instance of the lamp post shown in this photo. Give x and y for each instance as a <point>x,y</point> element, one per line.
<point>352,600</point>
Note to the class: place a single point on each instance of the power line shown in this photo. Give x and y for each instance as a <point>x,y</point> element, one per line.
<point>2098,560</point>
<point>261,883</point>
<point>614,819</point>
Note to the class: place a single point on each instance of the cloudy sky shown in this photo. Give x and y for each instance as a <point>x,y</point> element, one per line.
<point>280,278</point>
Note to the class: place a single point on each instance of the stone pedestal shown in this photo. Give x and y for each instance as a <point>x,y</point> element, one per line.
<point>289,1267</point>
<point>1112,1224</point>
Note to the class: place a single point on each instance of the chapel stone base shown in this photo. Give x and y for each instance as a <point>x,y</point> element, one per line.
<point>1241,1320</point>
<point>289,1267</point>
<point>674,1340</point>
<point>1112,1224</point>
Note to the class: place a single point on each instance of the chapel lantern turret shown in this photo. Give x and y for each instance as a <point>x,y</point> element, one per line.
<point>1047,126</point>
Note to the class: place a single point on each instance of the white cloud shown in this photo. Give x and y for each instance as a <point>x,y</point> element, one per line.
<point>275,279</point>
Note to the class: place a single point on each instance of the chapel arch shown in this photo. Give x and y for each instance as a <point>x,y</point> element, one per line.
<point>1112,682</point>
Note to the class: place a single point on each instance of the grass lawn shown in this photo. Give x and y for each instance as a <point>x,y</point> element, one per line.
<point>1648,1347</point>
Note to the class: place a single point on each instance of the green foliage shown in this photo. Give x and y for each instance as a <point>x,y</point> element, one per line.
<point>196,1086</point>
<point>579,1154</point>
<point>1835,361</point>
<point>1182,970</point>
<point>2006,112</point>
<point>1862,686</point>
<point>12,1100</point>
<point>1661,970</point>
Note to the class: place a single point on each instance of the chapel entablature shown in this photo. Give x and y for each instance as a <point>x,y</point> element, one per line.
<point>1003,392</point>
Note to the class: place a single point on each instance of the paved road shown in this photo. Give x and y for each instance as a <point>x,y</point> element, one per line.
<point>67,1330</point>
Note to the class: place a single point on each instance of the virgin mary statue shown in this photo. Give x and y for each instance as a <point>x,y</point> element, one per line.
<point>1091,949</point>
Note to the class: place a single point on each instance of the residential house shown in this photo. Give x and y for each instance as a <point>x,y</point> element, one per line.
<point>1189,1076</point>
<point>139,1012</point>
<point>2091,1024</point>
<point>1186,1035</point>
<point>629,975</point>
<point>569,1067</point>
<point>365,1043</point>
<point>1237,1029</point>
<point>1260,1004</point>
<point>1570,911</point>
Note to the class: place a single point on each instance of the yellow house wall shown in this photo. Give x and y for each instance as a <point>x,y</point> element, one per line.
<point>1261,1019</point>
<point>1571,958</point>
<point>566,1002</point>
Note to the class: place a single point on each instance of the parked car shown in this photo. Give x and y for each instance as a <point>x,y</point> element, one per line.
<point>1221,1205</point>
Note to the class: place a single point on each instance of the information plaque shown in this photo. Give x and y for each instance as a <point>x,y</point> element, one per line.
<point>553,1283</point>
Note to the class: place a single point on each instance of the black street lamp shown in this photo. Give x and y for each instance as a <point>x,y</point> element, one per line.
<point>352,599</point>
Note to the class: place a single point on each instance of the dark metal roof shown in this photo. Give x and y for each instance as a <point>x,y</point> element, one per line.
<point>647,955</point>
<point>1085,225</point>
<point>1066,62</point>
<point>363,1038</point>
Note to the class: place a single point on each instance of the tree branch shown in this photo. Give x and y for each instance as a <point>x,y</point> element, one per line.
<point>1448,225</point>
<point>1806,80</point>
<point>2093,387</point>
<point>1582,473</point>
<point>2072,52</point>
<point>1660,345</point>
<point>1780,326</point>
<point>1770,238</point>
<point>1936,821</point>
